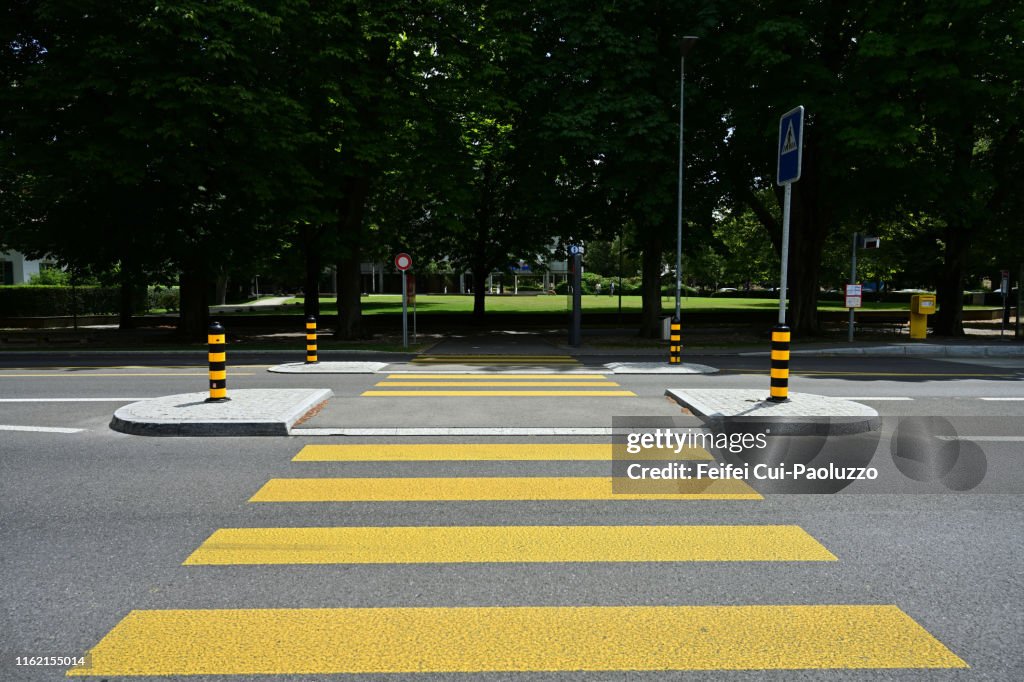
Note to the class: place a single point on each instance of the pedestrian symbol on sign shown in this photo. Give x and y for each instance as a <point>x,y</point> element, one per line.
<point>789,145</point>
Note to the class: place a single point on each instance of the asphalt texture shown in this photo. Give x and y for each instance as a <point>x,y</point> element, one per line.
<point>97,524</point>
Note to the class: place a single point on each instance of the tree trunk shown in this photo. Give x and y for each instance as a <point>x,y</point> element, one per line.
<point>193,317</point>
<point>949,319</point>
<point>311,287</point>
<point>220,293</point>
<point>808,230</point>
<point>350,310</point>
<point>650,288</point>
<point>350,234</point>
<point>126,308</point>
<point>479,291</point>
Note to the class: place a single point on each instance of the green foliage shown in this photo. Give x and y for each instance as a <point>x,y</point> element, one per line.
<point>141,140</point>
<point>48,300</point>
<point>163,298</point>
<point>50,277</point>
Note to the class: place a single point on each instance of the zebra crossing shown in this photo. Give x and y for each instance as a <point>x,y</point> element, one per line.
<point>495,359</point>
<point>444,638</point>
<point>495,385</point>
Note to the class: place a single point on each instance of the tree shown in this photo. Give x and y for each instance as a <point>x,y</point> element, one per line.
<point>149,133</point>
<point>967,158</point>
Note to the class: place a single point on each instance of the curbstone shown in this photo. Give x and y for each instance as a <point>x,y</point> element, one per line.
<point>803,414</point>
<point>250,412</point>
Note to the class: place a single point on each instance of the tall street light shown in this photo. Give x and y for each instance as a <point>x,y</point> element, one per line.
<point>685,45</point>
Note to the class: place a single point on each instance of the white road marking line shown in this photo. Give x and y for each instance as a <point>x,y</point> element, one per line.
<point>71,400</point>
<point>878,397</point>
<point>41,429</point>
<point>459,431</point>
<point>1004,399</point>
<point>986,439</point>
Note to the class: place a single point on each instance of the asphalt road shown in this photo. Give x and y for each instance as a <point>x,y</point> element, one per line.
<point>98,524</point>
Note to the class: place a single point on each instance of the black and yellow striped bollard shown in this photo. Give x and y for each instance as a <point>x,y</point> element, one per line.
<point>311,358</point>
<point>218,358</point>
<point>780,364</point>
<point>675,343</point>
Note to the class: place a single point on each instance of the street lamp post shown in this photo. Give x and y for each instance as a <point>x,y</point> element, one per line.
<point>676,335</point>
<point>685,45</point>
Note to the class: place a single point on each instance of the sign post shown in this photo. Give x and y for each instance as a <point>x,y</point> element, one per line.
<point>1005,288</point>
<point>790,149</point>
<point>403,262</point>
<point>853,281</point>
<point>576,318</point>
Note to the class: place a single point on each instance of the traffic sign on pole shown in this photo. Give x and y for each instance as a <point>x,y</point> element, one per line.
<point>791,146</point>
<point>403,262</point>
<point>854,294</point>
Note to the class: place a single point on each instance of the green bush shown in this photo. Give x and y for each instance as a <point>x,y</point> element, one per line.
<point>50,277</point>
<point>166,298</point>
<point>43,300</point>
<point>631,286</point>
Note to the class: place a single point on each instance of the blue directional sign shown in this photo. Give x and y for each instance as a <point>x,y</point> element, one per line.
<point>791,145</point>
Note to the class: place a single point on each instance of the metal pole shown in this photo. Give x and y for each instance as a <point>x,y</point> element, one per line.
<point>618,319</point>
<point>1020,295</point>
<point>679,202</point>
<point>785,252</point>
<point>1005,313</point>
<point>575,326</point>
<point>853,280</point>
<point>405,313</point>
<point>74,297</point>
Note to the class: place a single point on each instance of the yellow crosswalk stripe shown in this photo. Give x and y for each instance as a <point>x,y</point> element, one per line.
<point>496,385</point>
<point>514,639</point>
<point>492,382</point>
<point>469,359</point>
<point>482,544</point>
<point>493,356</point>
<point>501,488</point>
<point>499,394</point>
<point>433,452</point>
<point>492,377</point>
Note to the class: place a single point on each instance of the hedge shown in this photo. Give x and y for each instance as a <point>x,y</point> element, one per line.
<point>42,300</point>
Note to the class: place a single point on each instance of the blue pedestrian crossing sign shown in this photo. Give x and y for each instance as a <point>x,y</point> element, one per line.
<point>791,146</point>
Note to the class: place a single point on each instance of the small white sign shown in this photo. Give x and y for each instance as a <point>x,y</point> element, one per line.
<point>854,290</point>
<point>575,249</point>
<point>853,301</point>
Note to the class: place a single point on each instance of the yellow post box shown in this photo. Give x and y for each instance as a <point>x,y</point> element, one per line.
<point>921,306</point>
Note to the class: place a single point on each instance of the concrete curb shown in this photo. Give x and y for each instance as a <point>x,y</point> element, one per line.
<point>804,413</point>
<point>659,368</point>
<point>250,412</point>
<point>329,368</point>
<point>912,350</point>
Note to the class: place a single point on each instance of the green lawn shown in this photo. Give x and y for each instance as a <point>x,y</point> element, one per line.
<point>427,303</point>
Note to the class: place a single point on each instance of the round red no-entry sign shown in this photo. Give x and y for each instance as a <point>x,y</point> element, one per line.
<point>403,261</point>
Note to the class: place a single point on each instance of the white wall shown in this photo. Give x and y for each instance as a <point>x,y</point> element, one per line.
<point>23,269</point>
